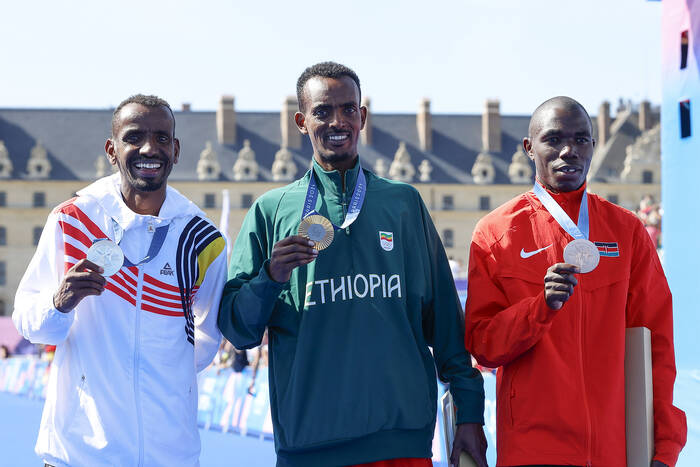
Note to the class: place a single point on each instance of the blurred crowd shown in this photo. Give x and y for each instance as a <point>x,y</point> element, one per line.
<point>24,347</point>
<point>238,359</point>
<point>650,212</point>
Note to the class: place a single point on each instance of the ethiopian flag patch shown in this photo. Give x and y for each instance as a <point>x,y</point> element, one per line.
<point>386,240</point>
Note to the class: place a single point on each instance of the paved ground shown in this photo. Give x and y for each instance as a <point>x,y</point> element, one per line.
<point>20,419</point>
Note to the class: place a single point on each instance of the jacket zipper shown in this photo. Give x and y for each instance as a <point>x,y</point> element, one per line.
<point>137,356</point>
<point>344,203</point>
<point>583,377</point>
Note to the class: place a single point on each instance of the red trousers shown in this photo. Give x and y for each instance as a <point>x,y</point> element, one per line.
<point>406,462</point>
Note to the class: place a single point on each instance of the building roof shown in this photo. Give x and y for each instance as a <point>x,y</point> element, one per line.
<point>74,140</point>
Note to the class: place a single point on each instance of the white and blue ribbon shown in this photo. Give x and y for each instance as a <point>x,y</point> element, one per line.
<point>356,200</point>
<point>153,249</point>
<point>578,230</point>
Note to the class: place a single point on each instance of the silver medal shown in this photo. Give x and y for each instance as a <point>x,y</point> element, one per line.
<point>582,253</point>
<point>107,254</point>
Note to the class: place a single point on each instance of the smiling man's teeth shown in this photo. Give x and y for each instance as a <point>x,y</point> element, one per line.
<point>568,169</point>
<point>148,165</point>
<point>337,137</point>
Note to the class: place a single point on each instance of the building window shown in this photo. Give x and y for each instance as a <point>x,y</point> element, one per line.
<point>685,118</point>
<point>448,238</point>
<point>39,200</point>
<point>448,203</point>
<point>3,273</point>
<point>3,236</point>
<point>485,203</point>
<point>684,49</point>
<point>614,199</point>
<point>3,309</point>
<point>647,176</point>
<point>246,200</point>
<point>209,200</point>
<point>36,234</point>
<point>3,199</point>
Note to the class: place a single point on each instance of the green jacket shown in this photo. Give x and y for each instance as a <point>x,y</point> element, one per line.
<point>352,379</point>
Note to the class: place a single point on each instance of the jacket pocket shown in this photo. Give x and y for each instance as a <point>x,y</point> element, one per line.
<point>511,396</point>
<point>85,424</point>
<point>73,404</point>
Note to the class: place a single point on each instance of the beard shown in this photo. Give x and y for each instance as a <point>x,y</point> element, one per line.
<point>145,184</point>
<point>141,184</point>
<point>333,158</point>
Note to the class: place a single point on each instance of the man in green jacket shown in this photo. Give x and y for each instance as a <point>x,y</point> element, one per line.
<point>347,272</point>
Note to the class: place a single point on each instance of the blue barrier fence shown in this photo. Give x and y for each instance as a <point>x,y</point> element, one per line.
<point>227,401</point>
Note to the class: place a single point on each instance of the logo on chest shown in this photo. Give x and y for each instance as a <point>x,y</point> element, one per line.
<point>386,240</point>
<point>167,270</point>
<point>526,254</point>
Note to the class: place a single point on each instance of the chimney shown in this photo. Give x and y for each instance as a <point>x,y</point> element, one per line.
<point>291,138</point>
<point>366,133</point>
<point>186,107</point>
<point>603,121</point>
<point>644,115</point>
<point>226,121</point>
<point>424,124</point>
<point>491,126</point>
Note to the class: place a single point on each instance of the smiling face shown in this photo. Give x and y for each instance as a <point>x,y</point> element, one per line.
<point>333,118</point>
<point>561,145</point>
<point>144,148</point>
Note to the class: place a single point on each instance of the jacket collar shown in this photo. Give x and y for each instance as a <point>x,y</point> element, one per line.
<point>570,201</point>
<point>331,182</point>
<point>107,193</point>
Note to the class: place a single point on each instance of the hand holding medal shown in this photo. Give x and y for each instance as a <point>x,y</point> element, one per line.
<point>82,279</point>
<point>581,253</point>
<point>316,227</point>
<point>315,231</point>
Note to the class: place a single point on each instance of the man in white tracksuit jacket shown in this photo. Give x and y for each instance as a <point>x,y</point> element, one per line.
<point>122,389</point>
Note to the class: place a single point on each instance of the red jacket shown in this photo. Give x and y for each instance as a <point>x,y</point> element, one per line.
<point>560,385</point>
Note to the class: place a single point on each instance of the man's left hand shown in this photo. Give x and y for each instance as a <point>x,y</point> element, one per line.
<point>469,438</point>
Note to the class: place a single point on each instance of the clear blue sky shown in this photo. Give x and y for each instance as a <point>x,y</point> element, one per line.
<point>93,53</point>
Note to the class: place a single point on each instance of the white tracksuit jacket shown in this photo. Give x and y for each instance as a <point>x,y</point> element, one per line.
<point>122,389</point>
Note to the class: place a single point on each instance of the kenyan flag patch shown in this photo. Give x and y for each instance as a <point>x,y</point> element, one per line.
<point>386,240</point>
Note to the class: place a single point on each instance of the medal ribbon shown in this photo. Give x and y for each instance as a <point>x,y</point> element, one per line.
<point>559,215</point>
<point>356,200</point>
<point>156,243</point>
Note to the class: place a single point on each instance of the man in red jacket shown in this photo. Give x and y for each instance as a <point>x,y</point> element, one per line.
<point>555,277</point>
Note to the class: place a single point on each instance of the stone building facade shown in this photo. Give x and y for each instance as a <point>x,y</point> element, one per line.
<point>463,165</point>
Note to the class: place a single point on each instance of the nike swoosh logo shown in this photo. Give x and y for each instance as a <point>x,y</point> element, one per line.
<point>526,254</point>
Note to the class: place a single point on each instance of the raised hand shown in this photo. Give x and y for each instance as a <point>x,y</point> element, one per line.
<point>81,280</point>
<point>559,283</point>
<point>290,253</point>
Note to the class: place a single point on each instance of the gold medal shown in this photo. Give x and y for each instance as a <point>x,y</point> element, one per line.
<point>318,229</point>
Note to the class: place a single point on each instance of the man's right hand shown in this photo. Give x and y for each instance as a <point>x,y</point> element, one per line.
<point>81,280</point>
<point>559,283</point>
<point>288,254</point>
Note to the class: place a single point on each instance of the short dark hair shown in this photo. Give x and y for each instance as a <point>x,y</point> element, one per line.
<point>324,70</point>
<point>565,102</point>
<point>147,100</point>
